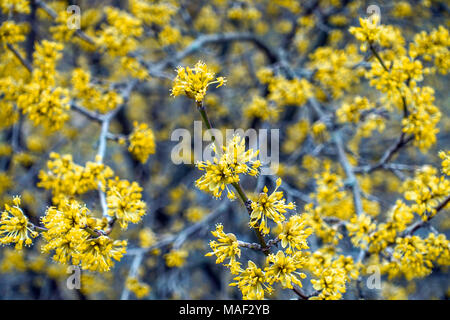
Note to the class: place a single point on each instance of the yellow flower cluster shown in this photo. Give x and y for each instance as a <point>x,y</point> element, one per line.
<point>11,33</point>
<point>152,12</point>
<point>385,234</point>
<point>392,82</point>
<point>15,6</point>
<point>426,190</point>
<point>8,116</point>
<point>247,14</point>
<point>445,156</point>
<point>331,284</point>
<point>286,92</point>
<point>66,178</point>
<point>77,238</point>
<point>140,289</point>
<point>176,258</point>
<point>226,168</point>
<point>433,46</point>
<point>206,20</point>
<point>119,36</point>
<point>296,135</point>
<point>410,257</point>
<point>147,238</point>
<point>314,219</point>
<point>294,234</point>
<point>97,254</point>
<point>169,36</point>
<point>291,5</point>
<point>195,214</point>
<point>142,142</point>
<point>402,9</point>
<point>269,206</point>
<point>5,182</point>
<point>369,31</point>
<point>92,97</point>
<point>283,269</point>
<point>61,31</point>
<point>335,68</point>
<point>15,227</point>
<point>261,108</point>
<point>332,272</point>
<point>398,70</point>
<point>319,132</point>
<point>359,229</point>
<point>43,102</point>
<point>423,119</point>
<point>352,112</point>
<point>124,201</point>
<point>194,82</point>
<point>134,68</point>
<point>252,282</point>
<point>227,247</point>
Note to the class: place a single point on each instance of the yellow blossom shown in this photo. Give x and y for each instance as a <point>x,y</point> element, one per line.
<point>294,234</point>
<point>226,167</point>
<point>140,289</point>
<point>142,142</point>
<point>193,83</point>
<point>226,247</point>
<point>283,268</point>
<point>252,282</point>
<point>176,258</point>
<point>124,201</point>
<point>14,226</point>
<point>97,254</point>
<point>269,206</point>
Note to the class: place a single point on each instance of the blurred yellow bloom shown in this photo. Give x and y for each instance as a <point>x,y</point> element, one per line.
<point>193,83</point>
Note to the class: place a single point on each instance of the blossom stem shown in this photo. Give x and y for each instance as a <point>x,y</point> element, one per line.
<point>247,203</point>
<point>37,228</point>
<point>24,62</point>
<point>375,53</point>
<point>201,108</point>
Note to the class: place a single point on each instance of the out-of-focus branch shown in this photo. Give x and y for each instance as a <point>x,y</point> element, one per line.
<point>102,140</point>
<point>95,116</point>
<point>396,147</point>
<point>419,224</point>
<point>204,40</point>
<point>179,238</point>
<point>24,62</point>
<point>348,168</point>
<point>79,33</point>
<point>137,260</point>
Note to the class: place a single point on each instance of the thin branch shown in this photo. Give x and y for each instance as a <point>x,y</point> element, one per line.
<point>24,62</point>
<point>204,40</point>
<point>183,235</point>
<point>95,116</point>
<point>396,147</point>
<point>348,168</point>
<point>419,224</point>
<point>79,33</point>
<point>137,260</point>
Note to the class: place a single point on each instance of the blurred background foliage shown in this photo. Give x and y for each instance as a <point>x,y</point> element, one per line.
<point>311,36</point>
